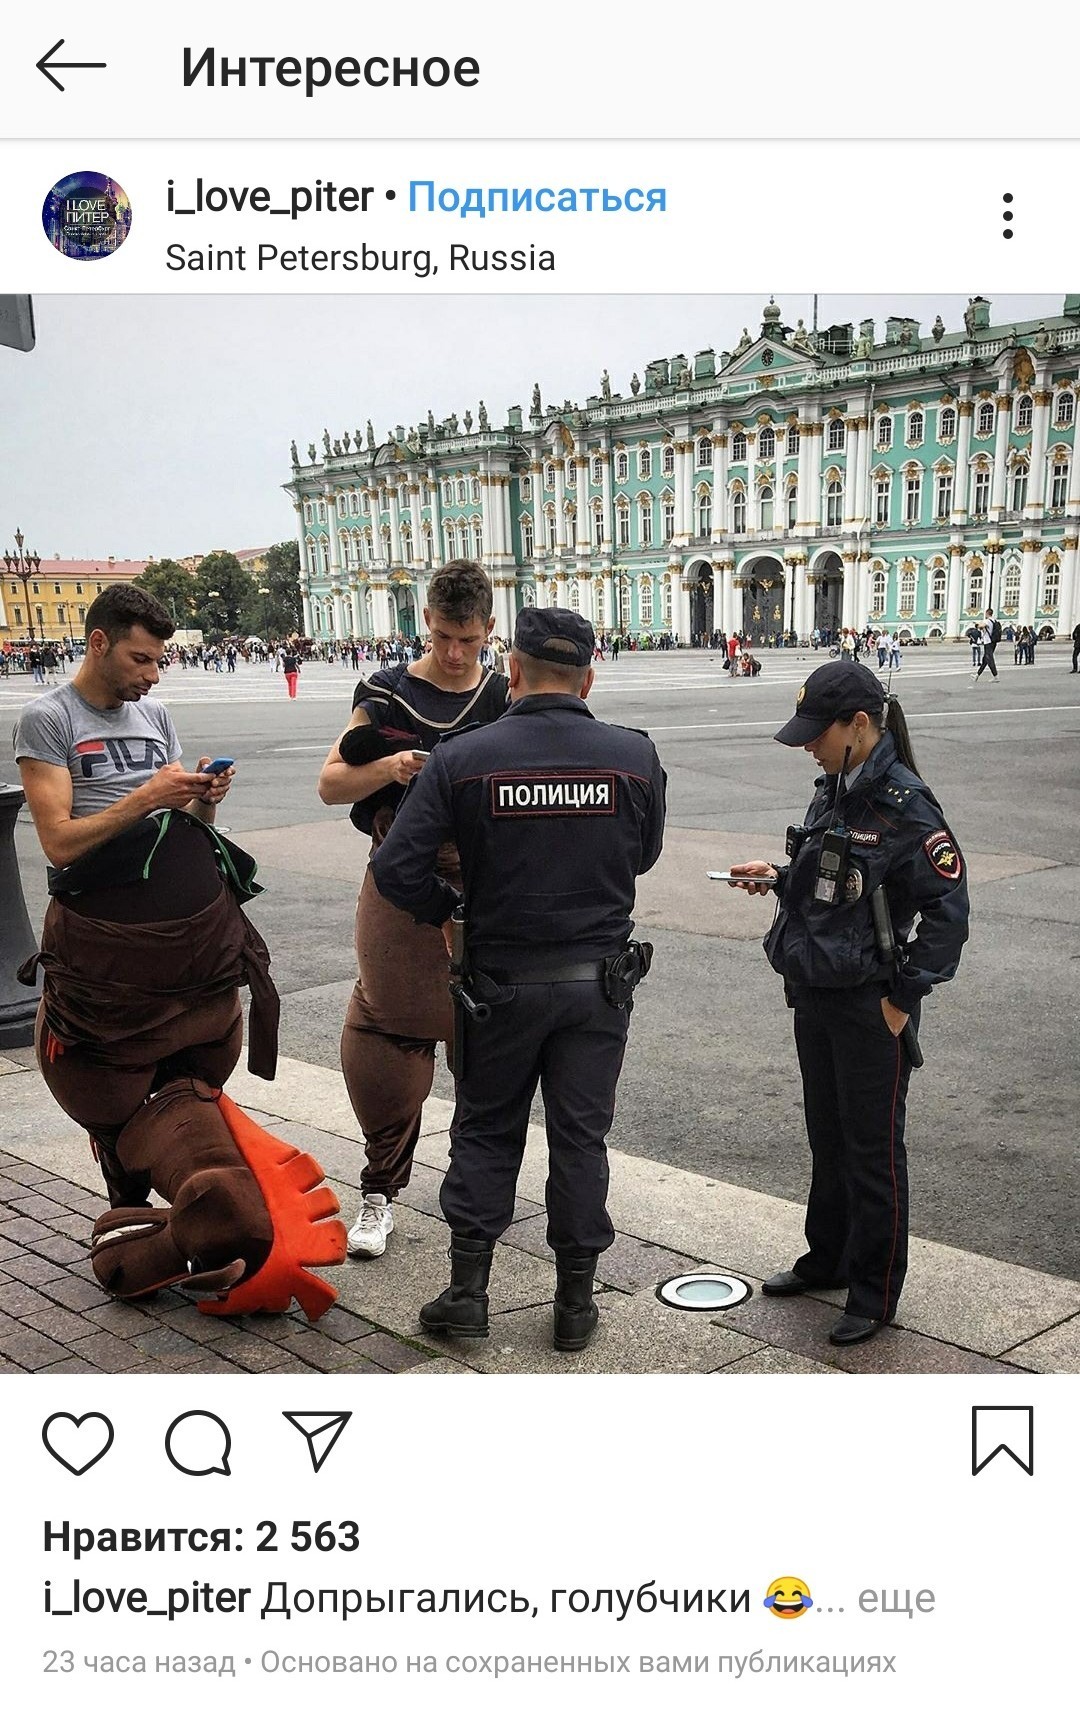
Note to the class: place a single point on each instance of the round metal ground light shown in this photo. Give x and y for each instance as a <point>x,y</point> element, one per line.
<point>705,1291</point>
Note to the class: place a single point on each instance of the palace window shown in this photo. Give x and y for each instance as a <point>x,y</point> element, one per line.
<point>907,593</point>
<point>975,590</point>
<point>474,490</point>
<point>526,488</point>
<point>1019,487</point>
<point>575,596</point>
<point>622,522</point>
<point>600,604</point>
<point>549,476</point>
<point>738,448</point>
<point>1059,483</point>
<point>78,589</point>
<point>622,467</point>
<point>1066,410</point>
<point>597,472</point>
<point>526,539</point>
<point>792,505</point>
<point>944,494</point>
<point>792,439</point>
<point>738,513</point>
<point>624,603</point>
<point>836,440</point>
<point>916,427</point>
<point>667,460</point>
<point>462,491</point>
<point>834,503</point>
<point>57,591</point>
<point>448,494</point>
<point>644,463</point>
<point>937,590</point>
<point>1010,589</point>
<point>878,591</point>
<point>1025,410</point>
<point>981,498</point>
<point>704,452</point>
<point>912,497</point>
<point>645,601</point>
<point>984,422</point>
<point>571,474</point>
<point>882,494</point>
<point>322,512</point>
<point>307,512</point>
<point>765,505</point>
<point>704,513</point>
<point>406,542</point>
<point>550,516</point>
<point>354,504</point>
<point>767,443</point>
<point>1050,586</point>
<point>884,433</point>
<point>669,519</point>
<point>645,525</point>
<point>947,423</point>
<point>598,527</point>
<point>429,544</point>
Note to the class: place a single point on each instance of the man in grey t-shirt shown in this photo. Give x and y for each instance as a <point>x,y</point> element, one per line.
<point>96,759</point>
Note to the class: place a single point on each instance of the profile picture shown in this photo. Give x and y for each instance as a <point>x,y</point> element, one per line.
<point>86,216</point>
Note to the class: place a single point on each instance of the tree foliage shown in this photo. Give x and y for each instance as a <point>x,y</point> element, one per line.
<point>173,587</point>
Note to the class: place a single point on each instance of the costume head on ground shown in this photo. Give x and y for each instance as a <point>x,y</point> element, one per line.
<point>246,1215</point>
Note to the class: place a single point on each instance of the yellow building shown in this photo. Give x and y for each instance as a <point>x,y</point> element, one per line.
<point>53,603</point>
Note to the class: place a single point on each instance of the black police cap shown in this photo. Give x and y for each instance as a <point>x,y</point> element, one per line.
<point>838,688</point>
<point>555,635</point>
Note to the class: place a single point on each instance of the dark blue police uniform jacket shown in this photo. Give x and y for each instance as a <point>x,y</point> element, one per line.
<point>898,837</point>
<point>555,815</point>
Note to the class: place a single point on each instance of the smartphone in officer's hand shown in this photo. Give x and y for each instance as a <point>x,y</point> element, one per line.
<point>741,881</point>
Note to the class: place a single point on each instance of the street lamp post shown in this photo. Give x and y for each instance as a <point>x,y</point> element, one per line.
<point>24,566</point>
<point>264,592</point>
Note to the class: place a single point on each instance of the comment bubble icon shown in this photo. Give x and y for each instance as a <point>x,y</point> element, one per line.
<point>198,1444</point>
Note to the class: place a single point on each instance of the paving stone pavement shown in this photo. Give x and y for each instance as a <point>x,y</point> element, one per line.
<point>55,1318</point>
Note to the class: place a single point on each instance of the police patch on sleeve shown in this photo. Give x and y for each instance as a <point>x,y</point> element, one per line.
<point>941,850</point>
<point>561,794</point>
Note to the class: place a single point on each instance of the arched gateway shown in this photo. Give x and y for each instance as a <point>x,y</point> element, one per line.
<point>765,612</point>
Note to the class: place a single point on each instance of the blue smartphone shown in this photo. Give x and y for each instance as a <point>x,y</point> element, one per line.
<point>218,766</point>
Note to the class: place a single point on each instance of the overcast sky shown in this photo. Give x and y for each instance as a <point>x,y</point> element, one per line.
<point>160,426</point>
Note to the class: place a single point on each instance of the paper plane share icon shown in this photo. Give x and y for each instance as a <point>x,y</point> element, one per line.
<point>320,1431</point>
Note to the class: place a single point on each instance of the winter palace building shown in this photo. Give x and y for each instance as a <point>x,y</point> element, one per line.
<point>826,477</point>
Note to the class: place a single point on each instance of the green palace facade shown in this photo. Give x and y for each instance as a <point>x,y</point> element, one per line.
<point>831,477</point>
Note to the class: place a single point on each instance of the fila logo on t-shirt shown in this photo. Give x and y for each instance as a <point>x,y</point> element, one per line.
<point>120,756</point>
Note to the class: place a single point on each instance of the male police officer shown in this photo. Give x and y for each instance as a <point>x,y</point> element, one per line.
<point>555,815</point>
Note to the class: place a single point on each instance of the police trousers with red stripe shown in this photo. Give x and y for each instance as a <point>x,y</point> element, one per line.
<point>855,1076</point>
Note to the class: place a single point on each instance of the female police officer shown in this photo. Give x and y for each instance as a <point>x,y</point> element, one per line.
<point>873,854</point>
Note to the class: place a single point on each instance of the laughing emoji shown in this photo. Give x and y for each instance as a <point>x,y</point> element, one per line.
<point>788,1598</point>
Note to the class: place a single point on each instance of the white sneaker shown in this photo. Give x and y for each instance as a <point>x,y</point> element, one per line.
<point>374,1222</point>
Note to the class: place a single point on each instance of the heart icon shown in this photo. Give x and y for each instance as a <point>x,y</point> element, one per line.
<point>78,1443</point>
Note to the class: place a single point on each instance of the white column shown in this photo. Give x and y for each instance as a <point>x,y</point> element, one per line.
<point>849,593</point>
<point>963,452</point>
<point>688,478</point>
<point>584,513</point>
<point>719,486</point>
<point>681,526</point>
<point>1001,458</point>
<point>676,575</point>
<point>852,462</point>
<point>1029,573</point>
<point>436,518</point>
<point>732,599</point>
<point>505,518</point>
<point>955,593</point>
<point>395,526</point>
<point>862,475</point>
<point>339,613</point>
<point>607,502</point>
<point>1067,603</point>
<point>806,431</point>
<point>1037,479</point>
<point>560,507</point>
<point>536,471</point>
<point>332,535</point>
<point>380,608</point>
<point>751,488</point>
<point>356,629</point>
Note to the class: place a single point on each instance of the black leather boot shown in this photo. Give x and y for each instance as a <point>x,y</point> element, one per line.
<point>576,1315</point>
<point>462,1310</point>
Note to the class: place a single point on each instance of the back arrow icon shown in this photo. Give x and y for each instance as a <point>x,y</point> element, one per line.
<point>46,61</point>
